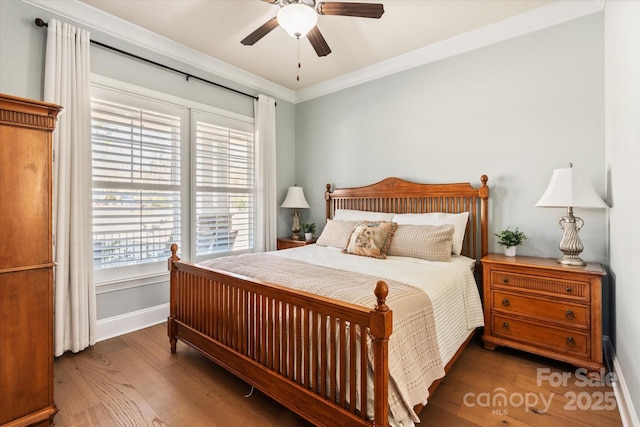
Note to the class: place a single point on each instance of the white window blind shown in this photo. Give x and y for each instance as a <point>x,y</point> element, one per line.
<point>224,202</point>
<point>136,179</point>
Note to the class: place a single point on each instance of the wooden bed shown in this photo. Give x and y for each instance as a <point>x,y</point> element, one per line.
<point>276,338</point>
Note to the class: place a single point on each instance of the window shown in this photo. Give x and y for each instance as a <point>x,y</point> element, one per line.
<point>136,179</point>
<point>165,172</point>
<point>224,184</point>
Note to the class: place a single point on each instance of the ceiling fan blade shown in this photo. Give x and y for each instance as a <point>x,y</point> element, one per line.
<point>361,10</point>
<point>260,32</point>
<point>318,42</point>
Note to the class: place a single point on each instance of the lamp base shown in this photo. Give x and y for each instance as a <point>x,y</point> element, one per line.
<point>570,245</point>
<point>570,260</point>
<point>295,225</point>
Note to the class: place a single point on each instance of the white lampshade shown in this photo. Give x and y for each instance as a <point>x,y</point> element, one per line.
<point>295,199</point>
<point>297,19</point>
<point>570,187</point>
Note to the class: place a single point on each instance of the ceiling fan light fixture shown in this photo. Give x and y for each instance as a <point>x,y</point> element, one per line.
<point>297,19</point>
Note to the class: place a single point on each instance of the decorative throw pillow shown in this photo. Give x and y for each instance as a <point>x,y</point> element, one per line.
<point>371,238</point>
<point>336,233</point>
<point>430,242</point>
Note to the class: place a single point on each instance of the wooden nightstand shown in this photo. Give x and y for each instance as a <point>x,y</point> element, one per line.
<point>291,243</point>
<point>540,306</point>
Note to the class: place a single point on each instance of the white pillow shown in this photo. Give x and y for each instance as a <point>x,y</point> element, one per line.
<point>459,221</point>
<point>355,215</point>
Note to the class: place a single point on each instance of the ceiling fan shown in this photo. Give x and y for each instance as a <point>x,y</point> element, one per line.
<point>299,18</point>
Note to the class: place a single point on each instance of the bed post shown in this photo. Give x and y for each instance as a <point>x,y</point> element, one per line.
<point>173,271</point>
<point>381,326</point>
<point>327,198</point>
<point>484,215</point>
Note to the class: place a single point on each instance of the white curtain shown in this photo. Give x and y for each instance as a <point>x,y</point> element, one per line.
<point>67,83</point>
<point>267,210</point>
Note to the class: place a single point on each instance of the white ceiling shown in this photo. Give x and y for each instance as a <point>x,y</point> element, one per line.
<point>359,45</point>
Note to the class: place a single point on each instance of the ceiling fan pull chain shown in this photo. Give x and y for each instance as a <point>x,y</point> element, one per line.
<point>299,66</point>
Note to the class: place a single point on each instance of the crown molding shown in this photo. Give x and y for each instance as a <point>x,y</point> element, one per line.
<point>96,19</point>
<point>535,20</point>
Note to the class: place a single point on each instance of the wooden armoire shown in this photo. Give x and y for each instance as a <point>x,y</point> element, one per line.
<point>26,262</point>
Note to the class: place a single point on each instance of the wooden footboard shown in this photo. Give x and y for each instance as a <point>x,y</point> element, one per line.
<point>301,349</point>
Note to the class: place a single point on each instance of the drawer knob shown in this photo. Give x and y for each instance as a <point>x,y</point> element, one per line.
<point>569,289</point>
<point>506,302</point>
<point>505,326</point>
<point>505,280</point>
<point>571,342</point>
<point>569,315</point>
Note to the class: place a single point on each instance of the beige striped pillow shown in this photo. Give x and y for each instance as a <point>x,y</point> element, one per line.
<point>336,233</point>
<point>430,242</point>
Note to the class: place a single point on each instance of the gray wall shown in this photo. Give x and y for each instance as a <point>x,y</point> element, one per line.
<point>21,51</point>
<point>22,48</point>
<point>515,111</point>
<point>622,65</point>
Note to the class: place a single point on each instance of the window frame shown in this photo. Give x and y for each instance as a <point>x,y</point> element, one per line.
<point>222,121</point>
<point>138,274</point>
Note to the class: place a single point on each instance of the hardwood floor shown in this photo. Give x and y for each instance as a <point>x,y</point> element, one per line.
<point>134,380</point>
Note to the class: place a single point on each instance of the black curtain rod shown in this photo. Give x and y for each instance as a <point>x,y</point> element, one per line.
<point>40,23</point>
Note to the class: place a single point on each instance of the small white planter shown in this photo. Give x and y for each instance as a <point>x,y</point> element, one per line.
<point>510,250</point>
<point>308,237</point>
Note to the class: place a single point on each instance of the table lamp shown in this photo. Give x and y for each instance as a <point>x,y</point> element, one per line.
<point>570,187</point>
<point>295,200</point>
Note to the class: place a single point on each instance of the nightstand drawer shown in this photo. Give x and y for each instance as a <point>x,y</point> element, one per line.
<point>541,309</point>
<point>556,339</point>
<point>544,285</point>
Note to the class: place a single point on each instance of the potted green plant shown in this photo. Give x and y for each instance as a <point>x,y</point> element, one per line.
<point>309,230</point>
<point>510,239</point>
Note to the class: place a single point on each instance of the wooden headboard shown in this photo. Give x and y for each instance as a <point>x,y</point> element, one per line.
<point>399,196</point>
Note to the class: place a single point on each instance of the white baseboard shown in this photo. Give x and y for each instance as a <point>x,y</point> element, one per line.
<point>623,397</point>
<point>129,322</point>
